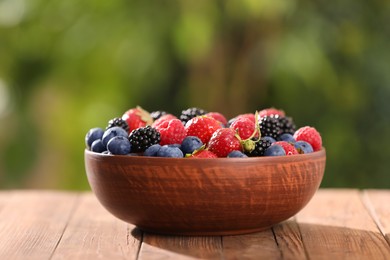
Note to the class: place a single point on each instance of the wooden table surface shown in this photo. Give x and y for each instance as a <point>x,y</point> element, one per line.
<point>336,224</point>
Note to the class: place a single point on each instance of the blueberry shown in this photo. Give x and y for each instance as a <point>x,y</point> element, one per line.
<point>152,150</point>
<point>112,132</point>
<point>169,151</point>
<point>97,146</point>
<point>286,137</point>
<point>275,150</point>
<point>236,154</point>
<point>303,147</point>
<point>119,145</point>
<point>175,145</point>
<point>190,144</point>
<point>92,135</point>
<point>271,139</point>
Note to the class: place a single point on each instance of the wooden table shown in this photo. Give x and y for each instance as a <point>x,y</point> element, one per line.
<point>337,224</point>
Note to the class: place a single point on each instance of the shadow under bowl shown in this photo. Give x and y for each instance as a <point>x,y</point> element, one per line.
<point>188,196</point>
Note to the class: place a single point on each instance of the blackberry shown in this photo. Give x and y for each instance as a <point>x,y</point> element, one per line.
<point>270,126</point>
<point>157,114</point>
<point>143,137</point>
<point>117,121</point>
<point>287,125</point>
<point>260,147</point>
<point>190,113</point>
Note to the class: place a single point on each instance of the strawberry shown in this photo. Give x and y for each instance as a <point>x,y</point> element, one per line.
<point>218,116</point>
<point>163,118</point>
<point>271,112</point>
<point>171,131</point>
<point>203,127</point>
<point>137,117</point>
<point>203,154</point>
<point>310,135</point>
<point>223,141</point>
<point>245,127</point>
<point>288,147</point>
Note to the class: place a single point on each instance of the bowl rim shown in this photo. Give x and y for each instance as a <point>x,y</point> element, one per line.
<point>258,159</point>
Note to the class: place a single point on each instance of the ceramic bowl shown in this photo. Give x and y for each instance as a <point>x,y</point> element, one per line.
<point>188,196</point>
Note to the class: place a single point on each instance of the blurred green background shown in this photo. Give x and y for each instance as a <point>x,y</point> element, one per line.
<point>68,66</point>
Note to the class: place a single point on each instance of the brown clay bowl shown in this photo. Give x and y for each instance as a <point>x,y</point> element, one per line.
<point>188,196</point>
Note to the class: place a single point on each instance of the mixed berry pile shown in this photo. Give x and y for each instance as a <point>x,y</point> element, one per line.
<point>196,133</point>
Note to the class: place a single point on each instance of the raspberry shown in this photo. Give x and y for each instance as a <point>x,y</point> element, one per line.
<point>245,127</point>
<point>310,135</point>
<point>171,131</point>
<point>202,127</point>
<point>163,118</point>
<point>271,112</point>
<point>218,116</point>
<point>288,148</point>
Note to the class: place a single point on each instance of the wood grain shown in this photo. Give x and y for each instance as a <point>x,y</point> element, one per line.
<point>180,247</point>
<point>337,225</point>
<point>93,233</point>
<point>32,223</point>
<point>378,203</point>
<point>261,245</point>
<point>289,240</point>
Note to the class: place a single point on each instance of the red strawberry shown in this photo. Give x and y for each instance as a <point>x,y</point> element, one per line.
<point>171,131</point>
<point>163,118</point>
<point>218,116</point>
<point>223,141</point>
<point>248,115</point>
<point>288,147</point>
<point>310,135</point>
<point>271,111</point>
<point>203,127</point>
<point>137,117</point>
<point>203,154</point>
<point>245,127</point>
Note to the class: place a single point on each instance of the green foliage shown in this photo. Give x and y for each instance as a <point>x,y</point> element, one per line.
<point>67,66</point>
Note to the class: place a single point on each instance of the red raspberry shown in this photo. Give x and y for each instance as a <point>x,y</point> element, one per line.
<point>203,127</point>
<point>288,147</point>
<point>163,118</point>
<point>137,117</point>
<point>204,154</point>
<point>218,116</point>
<point>171,131</point>
<point>223,141</point>
<point>310,135</point>
<point>271,111</point>
<point>245,127</point>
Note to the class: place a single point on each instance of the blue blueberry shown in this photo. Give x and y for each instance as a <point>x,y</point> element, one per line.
<point>97,146</point>
<point>286,137</point>
<point>152,150</point>
<point>119,145</point>
<point>170,151</point>
<point>271,139</point>
<point>275,150</point>
<point>303,147</point>
<point>112,132</point>
<point>175,145</point>
<point>236,154</point>
<point>190,144</point>
<point>92,135</point>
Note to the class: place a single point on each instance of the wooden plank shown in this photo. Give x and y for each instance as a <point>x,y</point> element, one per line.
<point>32,223</point>
<point>289,240</point>
<point>180,247</point>
<point>260,245</point>
<point>336,225</point>
<point>378,203</point>
<point>94,233</point>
